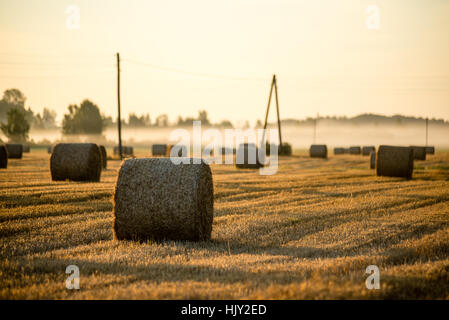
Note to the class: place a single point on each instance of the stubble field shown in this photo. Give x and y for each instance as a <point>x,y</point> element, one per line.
<point>308,232</point>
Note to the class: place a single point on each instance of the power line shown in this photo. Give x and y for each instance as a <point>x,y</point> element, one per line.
<point>196,74</point>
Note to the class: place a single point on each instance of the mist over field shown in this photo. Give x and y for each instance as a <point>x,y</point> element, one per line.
<point>298,136</point>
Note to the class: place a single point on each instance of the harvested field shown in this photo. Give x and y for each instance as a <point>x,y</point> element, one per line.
<point>308,232</point>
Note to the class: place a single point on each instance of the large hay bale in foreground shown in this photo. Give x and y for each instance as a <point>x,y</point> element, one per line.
<point>318,151</point>
<point>355,150</point>
<point>156,199</point>
<point>104,157</point>
<point>395,161</point>
<point>366,150</point>
<point>3,157</point>
<point>15,150</point>
<point>247,156</point>
<point>419,153</point>
<point>372,160</point>
<point>159,150</point>
<point>76,161</point>
<point>338,151</point>
<point>430,150</point>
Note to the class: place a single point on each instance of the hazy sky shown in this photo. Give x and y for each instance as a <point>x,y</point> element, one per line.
<point>327,61</point>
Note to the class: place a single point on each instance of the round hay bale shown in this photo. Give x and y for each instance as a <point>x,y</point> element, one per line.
<point>346,150</point>
<point>104,157</point>
<point>355,150</point>
<point>49,149</point>
<point>318,151</point>
<point>395,161</point>
<point>159,150</point>
<point>14,150</point>
<point>76,162</point>
<point>156,199</point>
<point>26,148</point>
<point>3,157</point>
<point>366,150</point>
<point>283,150</point>
<point>182,151</point>
<point>419,153</point>
<point>247,156</point>
<point>338,151</point>
<point>129,151</point>
<point>372,160</point>
<point>430,150</point>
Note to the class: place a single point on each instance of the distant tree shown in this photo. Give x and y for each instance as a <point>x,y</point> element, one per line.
<point>13,98</point>
<point>17,126</point>
<point>225,124</point>
<point>259,124</point>
<point>136,121</point>
<point>161,121</point>
<point>47,120</point>
<point>203,117</point>
<point>85,119</point>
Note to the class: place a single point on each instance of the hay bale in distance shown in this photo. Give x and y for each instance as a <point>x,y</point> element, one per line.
<point>283,150</point>
<point>355,150</point>
<point>76,162</point>
<point>338,151</point>
<point>419,153</point>
<point>395,161</point>
<point>182,151</point>
<point>126,151</point>
<point>346,150</point>
<point>318,151</point>
<point>159,150</point>
<point>3,157</point>
<point>430,150</point>
<point>104,157</point>
<point>156,199</point>
<point>15,150</point>
<point>372,160</point>
<point>26,148</point>
<point>50,149</point>
<point>366,150</point>
<point>247,156</point>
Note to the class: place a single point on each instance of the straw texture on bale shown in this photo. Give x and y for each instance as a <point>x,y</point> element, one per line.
<point>430,150</point>
<point>355,150</point>
<point>338,151</point>
<point>14,150</point>
<point>372,160</point>
<point>104,157</point>
<point>26,148</point>
<point>3,157</point>
<point>247,157</point>
<point>159,150</point>
<point>318,151</point>
<point>395,161</point>
<point>76,162</point>
<point>419,153</point>
<point>366,151</point>
<point>156,199</point>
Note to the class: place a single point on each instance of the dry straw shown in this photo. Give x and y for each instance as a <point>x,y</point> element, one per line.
<point>3,157</point>
<point>318,151</point>
<point>14,150</point>
<point>104,157</point>
<point>355,150</point>
<point>372,160</point>
<point>395,161</point>
<point>419,153</point>
<point>366,150</point>
<point>159,150</point>
<point>247,157</point>
<point>76,161</point>
<point>156,199</point>
<point>338,151</point>
<point>430,150</point>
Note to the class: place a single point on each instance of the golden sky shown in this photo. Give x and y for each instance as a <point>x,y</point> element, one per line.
<point>326,60</point>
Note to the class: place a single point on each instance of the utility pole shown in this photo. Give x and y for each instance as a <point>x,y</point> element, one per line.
<point>273,85</point>
<point>119,120</point>
<point>427,130</point>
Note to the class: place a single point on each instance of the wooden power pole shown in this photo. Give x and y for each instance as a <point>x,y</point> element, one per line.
<point>119,120</point>
<point>427,131</point>
<point>273,85</point>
